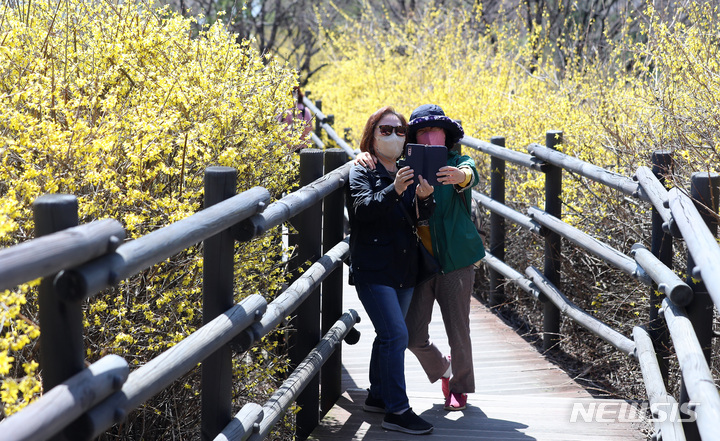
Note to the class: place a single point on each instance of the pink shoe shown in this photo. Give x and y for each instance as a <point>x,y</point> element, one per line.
<point>456,401</point>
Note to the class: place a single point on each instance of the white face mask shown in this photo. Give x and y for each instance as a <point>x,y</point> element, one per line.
<point>389,147</point>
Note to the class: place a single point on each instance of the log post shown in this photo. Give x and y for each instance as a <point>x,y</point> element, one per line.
<point>662,248</point>
<point>553,249</point>
<point>61,323</point>
<point>318,122</point>
<point>704,193</point>
<point>332,287</point>
<point>307,316</point>
<point>62,353</point>
<point>218,275</point>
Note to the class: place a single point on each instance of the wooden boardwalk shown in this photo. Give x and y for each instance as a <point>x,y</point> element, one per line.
<point>519,394</point>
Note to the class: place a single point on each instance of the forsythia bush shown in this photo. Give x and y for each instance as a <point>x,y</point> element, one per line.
<point>655,90</point>
<point>480,78</point>
<point>124,106</point>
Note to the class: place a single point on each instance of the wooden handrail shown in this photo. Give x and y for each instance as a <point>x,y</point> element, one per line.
<point>658,197</point>
<point>667,281</point>
<point>701,243</point>
<point>328,128</point>
<point>161,371</point>
<point>245,423</point>
<point>590,244</point>
<point>519,158</point>
<point>51,413</point>
<point>511,275</point>
<point>578,315</point>
<point>292,204</point>
<point>110,264</point>
<point>696,374</point>
<point>680,217</point>
<point>508,213</point>
<point>610,179</point>
<point>136,255</point>
<point>295,294</point>
<point>667,429</point>
<point>276,406</point>
<point>49,254</point>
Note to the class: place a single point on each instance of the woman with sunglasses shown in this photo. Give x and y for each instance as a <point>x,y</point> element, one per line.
<point>383,256</point>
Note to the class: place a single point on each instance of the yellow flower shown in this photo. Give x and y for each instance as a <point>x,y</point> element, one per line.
<point>30,368</point>
<point>5,363</point>
<point>9,391</point>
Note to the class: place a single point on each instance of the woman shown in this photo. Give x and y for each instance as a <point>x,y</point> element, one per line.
<point>383,255</point>
<point>454,240</point>
<point>299,115</point>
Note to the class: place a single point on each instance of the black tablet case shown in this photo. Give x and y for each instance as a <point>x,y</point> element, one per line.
<point>425,160</point>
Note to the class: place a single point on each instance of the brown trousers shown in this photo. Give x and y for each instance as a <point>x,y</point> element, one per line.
<point>452,291</point>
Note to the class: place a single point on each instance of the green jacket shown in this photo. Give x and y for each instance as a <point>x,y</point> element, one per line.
<point>455,239</point>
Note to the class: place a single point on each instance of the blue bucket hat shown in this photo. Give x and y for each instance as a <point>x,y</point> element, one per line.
<point>432,115</point>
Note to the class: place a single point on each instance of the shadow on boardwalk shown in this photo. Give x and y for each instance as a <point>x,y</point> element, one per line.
<point>349,422</point>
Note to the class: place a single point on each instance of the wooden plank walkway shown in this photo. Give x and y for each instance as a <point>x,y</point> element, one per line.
<point>519,394</point>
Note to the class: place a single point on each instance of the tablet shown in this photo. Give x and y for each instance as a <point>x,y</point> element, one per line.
<point>425,160</point>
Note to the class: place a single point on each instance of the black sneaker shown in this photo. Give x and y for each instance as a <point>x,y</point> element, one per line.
<point>406,422</point>
<point>376,405</point>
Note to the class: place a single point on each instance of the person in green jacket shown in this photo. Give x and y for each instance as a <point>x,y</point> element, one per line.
<point>452,238</point>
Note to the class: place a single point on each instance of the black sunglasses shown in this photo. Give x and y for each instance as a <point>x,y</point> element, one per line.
<point>386,130</point>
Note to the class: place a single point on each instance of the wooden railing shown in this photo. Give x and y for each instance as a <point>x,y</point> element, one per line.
<point>77,262</point>
<point>675,214</point>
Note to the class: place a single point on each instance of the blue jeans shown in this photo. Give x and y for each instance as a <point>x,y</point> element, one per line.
<point>387,308</point>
